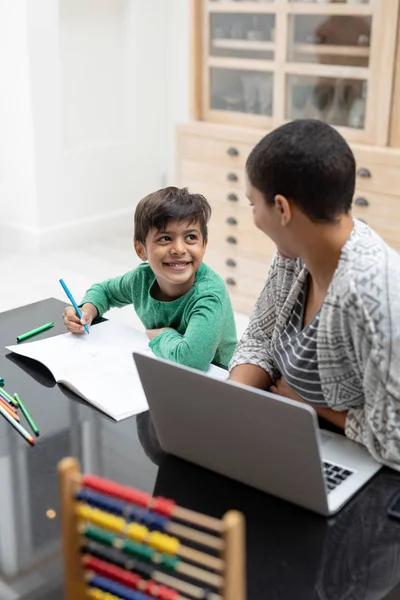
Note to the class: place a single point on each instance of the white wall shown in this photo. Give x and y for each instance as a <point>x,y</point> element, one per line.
<point>17,180</point>
<point>92,90</point>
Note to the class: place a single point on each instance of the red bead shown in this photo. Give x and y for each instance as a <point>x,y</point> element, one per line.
<point>163,506</point>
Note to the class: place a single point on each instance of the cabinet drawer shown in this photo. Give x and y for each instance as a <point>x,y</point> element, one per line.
<point>241,240</point>
<point>229,265</point>
<point>227,195</point>
<point>377,177</point>
<point>217,152</point>
<point>381,212</point>
<point>198,174</point>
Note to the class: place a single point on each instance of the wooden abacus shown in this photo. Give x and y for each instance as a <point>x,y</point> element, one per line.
<point>120,543</point>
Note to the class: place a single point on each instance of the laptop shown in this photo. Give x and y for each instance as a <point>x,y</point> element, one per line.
<point>257,438</point>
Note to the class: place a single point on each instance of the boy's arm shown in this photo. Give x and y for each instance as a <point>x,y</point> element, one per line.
<point>115,292</point>
<point>196,348</point>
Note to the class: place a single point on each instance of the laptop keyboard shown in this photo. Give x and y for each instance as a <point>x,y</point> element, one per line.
<point>335,475</point>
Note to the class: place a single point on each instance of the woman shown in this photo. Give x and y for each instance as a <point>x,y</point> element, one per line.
<point>326,327</point>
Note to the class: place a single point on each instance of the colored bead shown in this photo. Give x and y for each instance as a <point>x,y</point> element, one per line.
<point>163,543</point>
<point>163,506</point>
<point>169,562</point>
<point>1,381</point>
<point>117,589</point>
<point>97,594</point>
<point>139,533</point>
<point>159,505</point>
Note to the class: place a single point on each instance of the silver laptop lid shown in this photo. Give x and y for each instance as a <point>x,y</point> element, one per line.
<point>257,438</point>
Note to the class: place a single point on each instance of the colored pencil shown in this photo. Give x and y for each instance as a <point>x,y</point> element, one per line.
<point>74,304</point>
<point>27,416</point>
<point>27,436</point>
<point>29,334</point>
<point>11,411</point>
<point>6,396</point>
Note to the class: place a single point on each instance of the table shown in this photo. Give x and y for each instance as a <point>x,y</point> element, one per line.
<point>291,553</point>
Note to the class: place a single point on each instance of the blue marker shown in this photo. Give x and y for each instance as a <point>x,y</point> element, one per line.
<point>74,304</point>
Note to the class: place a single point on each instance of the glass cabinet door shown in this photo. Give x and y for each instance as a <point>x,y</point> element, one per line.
<point>334,62</point>
<point>337,101</point>
<point>239,60</point>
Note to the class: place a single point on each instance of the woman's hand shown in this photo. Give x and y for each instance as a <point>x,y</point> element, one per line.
<point>282,388</point>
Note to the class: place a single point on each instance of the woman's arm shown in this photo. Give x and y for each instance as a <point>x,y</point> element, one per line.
<point>253,362</point>
<point>251,375</point>
<point>282,388</point>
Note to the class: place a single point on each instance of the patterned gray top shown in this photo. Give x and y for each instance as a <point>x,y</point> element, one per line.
<point>358,340</point>
<point>295,353</point>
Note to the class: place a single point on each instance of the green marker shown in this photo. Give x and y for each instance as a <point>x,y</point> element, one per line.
<point>27,416</point>
<point>1,381</point>
<point>7,396</point>
<point>29,334</point>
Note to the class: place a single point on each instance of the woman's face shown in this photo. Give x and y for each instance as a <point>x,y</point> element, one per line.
<point>272,219</point>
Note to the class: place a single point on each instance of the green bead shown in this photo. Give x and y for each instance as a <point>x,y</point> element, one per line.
<point>169,562</point>
<point>99,535</point>
<point>1,381</point>
<point>138,550</point>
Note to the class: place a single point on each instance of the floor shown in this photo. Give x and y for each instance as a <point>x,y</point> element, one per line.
<point>29,277</point>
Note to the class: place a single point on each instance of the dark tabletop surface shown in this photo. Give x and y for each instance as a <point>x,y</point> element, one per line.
<point>291,553</point>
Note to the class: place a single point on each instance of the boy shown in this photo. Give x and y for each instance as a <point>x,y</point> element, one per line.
<point>182,303</point>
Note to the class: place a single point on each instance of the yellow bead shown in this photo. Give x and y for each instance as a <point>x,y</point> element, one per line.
<point>163,543</point>
<point>100,518</point>
<point>100,595</point>
<point>137,532</point>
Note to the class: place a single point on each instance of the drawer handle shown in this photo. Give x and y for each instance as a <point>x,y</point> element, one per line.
<point>230,281</point>
<point>231,239</point>
<point>360,201</point>
<point>232,177</point>
<point>232,151</point>
<point>230,262</point>
<point>365,173</point>
<point>232,198</point>
<point>231,221</point>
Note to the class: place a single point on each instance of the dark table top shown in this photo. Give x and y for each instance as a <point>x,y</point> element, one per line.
<point>291,553</point>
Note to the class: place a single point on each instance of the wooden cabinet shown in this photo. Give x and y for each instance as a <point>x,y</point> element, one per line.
<point>261,63</point>
<point>257,64</point>
<point>395,112</point>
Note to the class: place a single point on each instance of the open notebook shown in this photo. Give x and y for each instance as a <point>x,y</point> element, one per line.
<point>99,367</point>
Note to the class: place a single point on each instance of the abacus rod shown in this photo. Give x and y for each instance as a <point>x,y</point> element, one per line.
<point>119,525</point>
<point>203,539</point>
<point>185,514</point>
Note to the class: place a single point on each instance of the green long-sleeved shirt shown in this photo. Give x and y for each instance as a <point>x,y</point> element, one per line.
<point>202,321</point>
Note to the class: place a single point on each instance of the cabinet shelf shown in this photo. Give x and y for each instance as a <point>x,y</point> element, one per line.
<point>241,64</point>
<point>241,7</point>
<point>331,50</point>
<point>255,45</point>
<point>315,8</point>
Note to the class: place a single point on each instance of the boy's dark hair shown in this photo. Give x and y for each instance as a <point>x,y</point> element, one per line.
<point>170,204</point>
<point>308,162</point>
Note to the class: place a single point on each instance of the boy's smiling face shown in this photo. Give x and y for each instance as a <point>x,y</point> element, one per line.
<point>175,255</point>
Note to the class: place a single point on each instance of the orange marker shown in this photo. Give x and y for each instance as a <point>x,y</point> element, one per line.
<point>17,426</point>
<point>11,411</point>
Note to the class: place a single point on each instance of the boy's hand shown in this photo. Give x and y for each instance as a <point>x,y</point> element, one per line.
<point>152,333</point>
<point>73,323</point>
